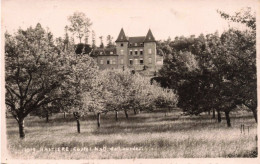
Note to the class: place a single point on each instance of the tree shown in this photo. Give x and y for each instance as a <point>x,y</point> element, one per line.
<point>225,72</point>
<point>81,75</point>
<point>93,39</point>
<point>98,97</point>
<point>101,42</point>
<point>33,72</point>
<point>83,48</point>
<point>79,24</point>
<point>240,46</point>
<point>46,111</point>
<point>110,41</point>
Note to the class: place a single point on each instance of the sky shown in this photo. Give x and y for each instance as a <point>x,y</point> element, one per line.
<point>166,18</point>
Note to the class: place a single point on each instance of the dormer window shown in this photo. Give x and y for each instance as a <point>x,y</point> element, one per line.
<point>111,53</point>
<point>122,37</point>
<point>149,38</point>
<point>101,53</point>
<point>135,44</point>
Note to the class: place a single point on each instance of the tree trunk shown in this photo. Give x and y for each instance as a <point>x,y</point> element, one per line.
<point>77,116</point>
<point>21,128</point>
<point>64,115</point>
<point>255,114</point>
<point>227,118</point>
<point>78,125</point>
<point>135,112</point>
<point>213,114</point>
<point>219,116</point>
<point>47,116</point>
<point>116,115</point>
<point>126,114</point>
<point>98,119</point>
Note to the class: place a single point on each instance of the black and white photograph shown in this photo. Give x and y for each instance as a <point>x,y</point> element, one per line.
<point>129,81</point>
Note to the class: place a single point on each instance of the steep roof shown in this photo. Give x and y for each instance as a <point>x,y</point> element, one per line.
<point>136,41</point>
<point>122,37</point>
<point>149,37</point>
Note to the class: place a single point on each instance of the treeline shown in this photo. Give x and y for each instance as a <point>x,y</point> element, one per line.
<point>41,80</point>
<point>214,72</point>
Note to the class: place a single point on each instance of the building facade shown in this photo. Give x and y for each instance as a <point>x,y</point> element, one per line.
<point>136,53</point>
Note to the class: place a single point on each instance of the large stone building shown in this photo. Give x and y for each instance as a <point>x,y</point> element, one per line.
<point>136,53</point>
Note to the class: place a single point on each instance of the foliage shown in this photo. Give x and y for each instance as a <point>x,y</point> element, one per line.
<point>110,41</point>
<point>219,73</point>
<point>83,48</point>
<point>34,73</point>
<point>79,24</point>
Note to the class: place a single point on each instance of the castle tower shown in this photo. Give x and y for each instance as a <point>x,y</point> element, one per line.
<point>122,49</point>
<point>150,51</point>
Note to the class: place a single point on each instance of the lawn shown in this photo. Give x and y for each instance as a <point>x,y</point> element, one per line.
<point>146,135</point>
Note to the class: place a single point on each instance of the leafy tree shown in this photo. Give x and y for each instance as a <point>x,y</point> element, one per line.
<point>240,48</point>
<point>245,16</point>
<point>83,48</point>
<point>79,24</point>
<point>225,73</point>
<point>98,97</point>
<point>33,73</point>
<point>82,71</point>
<point>110,41</point>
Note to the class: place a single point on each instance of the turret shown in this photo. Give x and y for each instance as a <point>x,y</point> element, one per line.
<point>121,48</point>
<point>150,51</point>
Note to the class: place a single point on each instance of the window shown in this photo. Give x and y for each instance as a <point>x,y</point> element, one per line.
<point>122,61</point>
<point>111,53</point>
<point>141,52</point>
<point>131,53</point>
<point>101,53</point>
<point>108,61</point>
<point>130,44</point>
<point>141,61</point>
<point>135,44</point>
<point>111,61</point>
<point>136,61</point>
<point>150,60</point>
<point>122,52</point>
<point>122,44</point>
<point>150,51</point>
<point>141,44</point>
<point>131,61</point>
<point>136,52</point>
<point>101,61</point>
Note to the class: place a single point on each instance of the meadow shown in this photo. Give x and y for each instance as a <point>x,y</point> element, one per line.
<point>145,135</point>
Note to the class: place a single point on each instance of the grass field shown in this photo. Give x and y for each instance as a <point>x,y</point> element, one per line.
<point>146,135</point>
